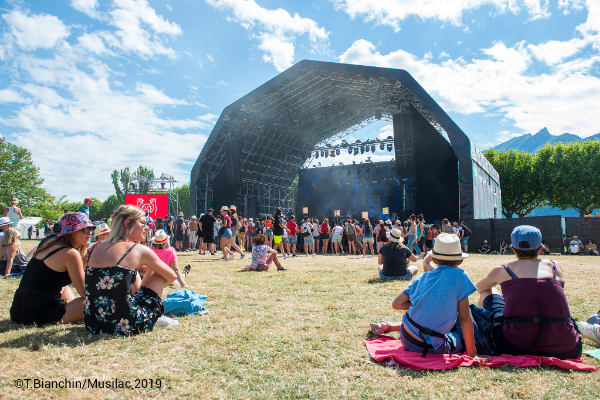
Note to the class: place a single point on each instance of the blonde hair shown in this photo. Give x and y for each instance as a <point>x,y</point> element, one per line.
<point>118,231</point>
<point>11,235</point>
<point>14,201</point>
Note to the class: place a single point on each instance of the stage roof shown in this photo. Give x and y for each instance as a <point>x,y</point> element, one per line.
<point>276,126</point>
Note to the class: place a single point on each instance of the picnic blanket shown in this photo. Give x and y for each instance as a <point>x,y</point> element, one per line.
<point>184,302</point>
<point>384,348</point>
<point>594,353</point>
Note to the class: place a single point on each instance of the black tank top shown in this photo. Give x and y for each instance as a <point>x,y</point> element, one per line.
<point>38,276</point>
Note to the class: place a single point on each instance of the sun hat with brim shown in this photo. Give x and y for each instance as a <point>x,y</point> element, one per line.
<point>101,229</point>
<point>194,217</point>
<point>5,221</point>
<point>526,233</point>
<point>447,247</point>
<point>160,237</point>
<point>233,208</point>
<point>74,222</point>
<point>181,214</point>
<point>224,208</point>
<point>388,222</point>
<point>395,236</point>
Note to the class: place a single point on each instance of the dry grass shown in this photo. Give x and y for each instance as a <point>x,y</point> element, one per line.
<point>294,334</point>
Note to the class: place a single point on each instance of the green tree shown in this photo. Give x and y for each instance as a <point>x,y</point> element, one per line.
<point>183,194</point>
<point>122,181</point>
<point>571,175</point>
<point>109,205</point>
<point>20,178</point>
<point>519,180</point>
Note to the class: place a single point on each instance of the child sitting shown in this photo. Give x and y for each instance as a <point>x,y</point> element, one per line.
<point>433,301</point>
<point>160,245</point>
<point>591,328</point>
<point>263,256</point>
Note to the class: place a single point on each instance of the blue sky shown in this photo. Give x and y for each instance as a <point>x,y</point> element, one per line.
<point>89,86</point>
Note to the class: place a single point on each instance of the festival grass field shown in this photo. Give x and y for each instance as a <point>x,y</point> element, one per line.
<point>278,335</point>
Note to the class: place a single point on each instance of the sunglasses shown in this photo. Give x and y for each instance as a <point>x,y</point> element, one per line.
<point>88,230</point>
<point>143,223</point>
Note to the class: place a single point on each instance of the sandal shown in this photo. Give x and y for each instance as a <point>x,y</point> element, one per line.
<point>186,270</point>
<point>379,328</point>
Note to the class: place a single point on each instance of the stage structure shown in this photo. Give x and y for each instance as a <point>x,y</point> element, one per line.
<point>265,140</point>
<point>165,184</point>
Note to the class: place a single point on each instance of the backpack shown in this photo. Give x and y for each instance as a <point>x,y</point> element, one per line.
<point>467,231</point>
<point>426,231</point>
<point>256,230</point>
<point>367,230</point>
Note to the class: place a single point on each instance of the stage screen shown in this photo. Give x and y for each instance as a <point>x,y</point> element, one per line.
<point>157,205</point>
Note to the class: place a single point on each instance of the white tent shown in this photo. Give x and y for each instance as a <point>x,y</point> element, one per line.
<point>26,223</point>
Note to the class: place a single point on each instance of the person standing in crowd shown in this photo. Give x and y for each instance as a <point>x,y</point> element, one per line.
<point>30,232</point>
<point>148,234</point>
<point>316,234</point>
<point>179,232</point>
<point>249,234</point>
<point>225,234</point>
<point>242,234</point>
<point>12,260</point>
<point>269,229</point>
<point>336,239</point>
<point>465,232</point>
<point>111,276</point>
<point>325,236</point>
<point>170,229</point>
<point>446,227</point>
<point>368,238</point>
<point>47,228</point>
<point>292,227</point>
<point>234,232</point>
<point>44,296</point>
<point>412,235</point>
<point>37,232</point>
<point>350,236</point>
<point>381,235</point>
<point>13,213</point>
<point>307,235</point>
<point>193,233</point>
<point>532,315</point>
<point>85,208</point>
<point>279,229</point>
<point>208,221</point>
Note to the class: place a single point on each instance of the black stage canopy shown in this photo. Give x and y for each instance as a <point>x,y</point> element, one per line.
<point>262,141</point>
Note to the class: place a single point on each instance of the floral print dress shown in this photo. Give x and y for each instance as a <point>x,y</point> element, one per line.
<point>111,308</point>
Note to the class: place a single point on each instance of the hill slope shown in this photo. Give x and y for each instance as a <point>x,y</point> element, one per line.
<point>532,143</point>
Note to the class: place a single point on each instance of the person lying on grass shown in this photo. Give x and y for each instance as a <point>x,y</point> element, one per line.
<point>433,301</point>
<point>263,256</point>
<point>532,315</point>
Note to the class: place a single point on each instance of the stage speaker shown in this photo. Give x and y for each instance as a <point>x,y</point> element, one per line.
<point>232,163</point>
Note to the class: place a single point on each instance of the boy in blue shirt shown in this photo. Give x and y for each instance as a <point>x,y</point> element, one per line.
<point>433,301</point>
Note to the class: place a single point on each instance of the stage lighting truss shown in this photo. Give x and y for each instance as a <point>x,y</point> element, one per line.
<point>329,150</point>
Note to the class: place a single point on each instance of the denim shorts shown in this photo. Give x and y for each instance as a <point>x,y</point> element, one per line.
<point>309,240</point>
<point>268,232</point>
<point>406,277</point>
<point>226,233</point>
<point>368,239</point>
<point>337,238</point>
<point>324,236</point>
<point>464,240</point>
<point>292,239</point>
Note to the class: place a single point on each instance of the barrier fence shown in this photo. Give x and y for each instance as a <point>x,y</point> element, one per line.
<point>585,228</point>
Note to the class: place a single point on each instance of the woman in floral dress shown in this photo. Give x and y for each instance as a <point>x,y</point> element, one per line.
<point>117,300</point>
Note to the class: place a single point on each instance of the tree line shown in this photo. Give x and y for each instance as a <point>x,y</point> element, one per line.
<point>565,176</point>
<point>20,178</point>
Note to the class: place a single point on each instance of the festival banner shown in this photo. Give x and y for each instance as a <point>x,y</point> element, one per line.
<point>157,205</point>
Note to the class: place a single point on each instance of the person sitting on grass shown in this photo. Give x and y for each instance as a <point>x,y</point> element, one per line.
<point>545,249</point>
<point>433,300</point>
<point>575,246</point>
<point>263,256</point>
<point>503,247</point>
<point>12,259</point>
<point>393,259</point>
<point>591,249</point>
<point>101,233</point>
<point>532,314</point>
<point>160,245</point>
<point>485,249</point>
<point>591,328</point>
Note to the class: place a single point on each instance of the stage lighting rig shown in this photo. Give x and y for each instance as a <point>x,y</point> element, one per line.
<point>332,154</point>
<point>356,151</point>
<point>337,152</point>
<point>390,146</point>
<point>326,154</point>
<point>362,149</point>
<point>349,150</point>
<point>373,148</point>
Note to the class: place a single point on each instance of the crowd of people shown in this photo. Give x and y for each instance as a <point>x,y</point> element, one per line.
<point>120,278</point>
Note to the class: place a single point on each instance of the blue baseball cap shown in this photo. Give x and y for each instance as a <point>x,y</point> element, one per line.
<point>526,233</point>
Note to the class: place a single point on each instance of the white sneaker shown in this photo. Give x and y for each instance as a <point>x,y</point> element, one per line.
<point>224,260</point>
<point>231,257</point>
<point>166,321</point>
<point>286,256</point>
<point>590,331</point>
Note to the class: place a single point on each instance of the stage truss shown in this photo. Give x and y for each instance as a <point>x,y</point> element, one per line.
<point>164,184</point>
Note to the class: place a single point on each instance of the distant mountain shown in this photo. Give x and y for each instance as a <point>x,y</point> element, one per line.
<point>532,143</point>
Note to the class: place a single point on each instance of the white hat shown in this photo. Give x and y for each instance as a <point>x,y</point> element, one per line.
<point>224,208</point>
<point>193,217</point>
<point>101,229</point>
<point>5,221</point>
<point>447,247</point>
<point>233,208</point>
<point>160,237</point>
<point>181,213</point>
<point>395,236</point>
<point>388,222</point>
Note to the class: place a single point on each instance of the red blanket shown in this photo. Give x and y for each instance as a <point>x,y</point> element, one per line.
<point>384,348</point>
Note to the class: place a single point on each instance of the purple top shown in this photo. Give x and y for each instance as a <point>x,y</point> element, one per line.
<point>531,297</point>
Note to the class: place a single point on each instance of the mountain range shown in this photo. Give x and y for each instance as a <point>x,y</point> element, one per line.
<point>532,143</point>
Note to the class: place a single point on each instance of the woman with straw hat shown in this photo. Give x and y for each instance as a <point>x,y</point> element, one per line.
<point>101,233</point>
<point>394,257</point>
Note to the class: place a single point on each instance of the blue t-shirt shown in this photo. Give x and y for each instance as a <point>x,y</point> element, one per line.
<point>434,297</point>
<point>85,210</point>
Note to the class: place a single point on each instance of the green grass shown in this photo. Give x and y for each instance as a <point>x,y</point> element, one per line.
<point>293,334</point>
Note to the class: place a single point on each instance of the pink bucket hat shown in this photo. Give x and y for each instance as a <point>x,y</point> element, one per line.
<point>74,222</point>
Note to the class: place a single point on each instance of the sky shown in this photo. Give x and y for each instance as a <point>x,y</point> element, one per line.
<point>89,86</point>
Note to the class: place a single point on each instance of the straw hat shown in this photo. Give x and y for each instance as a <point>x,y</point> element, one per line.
<point>181,213</point>
<point>224,208</point>
<point>193,217</point>
<point>395,236</point>
<point>160,237</point>
<point>101,229</point>
<point>233,208</point>
<point>447,247</point>
<point>388,222</point>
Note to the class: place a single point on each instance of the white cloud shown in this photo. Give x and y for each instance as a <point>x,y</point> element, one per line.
<point>554,52</point>
<point>92,42</point>
<point>501,81</point>
<point>87,7</point>
<point>392,12</point>
<point>386,131</point>
<point>35,31</point>
<point>10,96</point>
<point>210,58</point>
<point>277,30</point>
<point>152,71</point>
